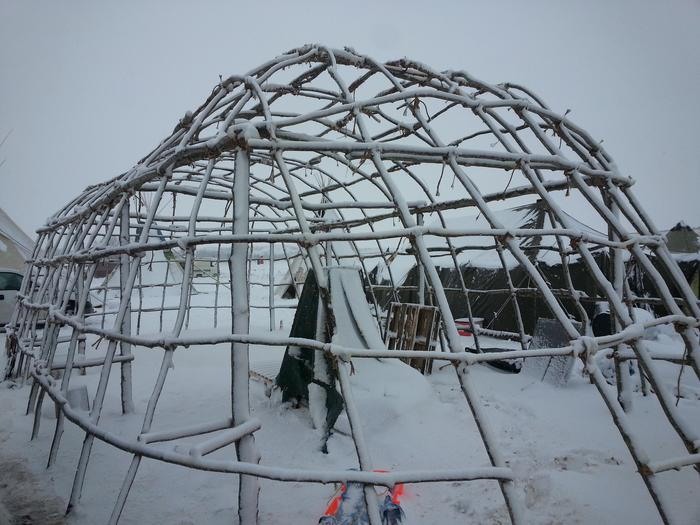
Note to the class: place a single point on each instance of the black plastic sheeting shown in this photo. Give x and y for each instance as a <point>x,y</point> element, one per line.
<point>497,308</point>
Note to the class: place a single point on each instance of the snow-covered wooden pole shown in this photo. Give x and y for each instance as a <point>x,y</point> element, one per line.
<point>421,271</point>
<point>167,362</point>
<point>124,347</point>
<point>249,486</point>
<point>423,258</point>
<point>622,370</point>
<point>271,291</point>
<point>338,132</point>
<point>78,340</point>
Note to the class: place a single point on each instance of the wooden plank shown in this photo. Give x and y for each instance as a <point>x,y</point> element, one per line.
<point>413,327</point>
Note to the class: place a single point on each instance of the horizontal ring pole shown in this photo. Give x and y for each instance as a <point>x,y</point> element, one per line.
<point>87,363</point>
<point>178,433</point>
<point>310,239</point>
<point>629,334</point>
<point>225,438</point>
<point>673,464</point>
<point>274,473</point>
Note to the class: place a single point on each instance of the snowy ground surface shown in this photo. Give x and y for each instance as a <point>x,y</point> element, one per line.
<point>571,464</point>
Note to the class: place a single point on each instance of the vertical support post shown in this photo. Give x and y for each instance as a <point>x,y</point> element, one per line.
<point>248,487</point>
<point>322,375</point>
<point>617,275</point>
<point>124,347</point>
<point>421,272</point>
<point>81,353</point>
<point>81,337</point>
<point>271,291</point>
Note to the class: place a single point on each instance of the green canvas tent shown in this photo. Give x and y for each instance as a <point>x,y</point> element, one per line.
<point>486,275</point>
<point>684,244</point>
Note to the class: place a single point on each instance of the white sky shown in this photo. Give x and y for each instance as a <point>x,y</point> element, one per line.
<point>87,88</point>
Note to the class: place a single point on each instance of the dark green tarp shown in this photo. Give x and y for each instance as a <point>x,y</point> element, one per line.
<point>497,309</point>
<point>297,369</point>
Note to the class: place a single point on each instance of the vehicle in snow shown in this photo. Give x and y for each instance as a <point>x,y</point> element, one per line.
<point>10,283</point>
<point>464,326</point>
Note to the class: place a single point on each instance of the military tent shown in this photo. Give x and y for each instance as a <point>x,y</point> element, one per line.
<point>684,244</point>
<point>485,273</point>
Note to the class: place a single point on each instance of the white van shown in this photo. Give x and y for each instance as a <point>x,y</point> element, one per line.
<point>10,283</point>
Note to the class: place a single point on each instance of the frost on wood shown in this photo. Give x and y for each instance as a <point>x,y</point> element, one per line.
<point>323,158</point>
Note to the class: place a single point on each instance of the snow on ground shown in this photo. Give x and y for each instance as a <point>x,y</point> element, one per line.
<point>570,462</point>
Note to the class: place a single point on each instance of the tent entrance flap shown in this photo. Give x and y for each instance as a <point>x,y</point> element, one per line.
<point>354,327</point>
<point>297,370</point>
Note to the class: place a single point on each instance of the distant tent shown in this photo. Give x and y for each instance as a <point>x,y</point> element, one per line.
<point>683,239</point>
<point>288,286</point>
<point>684,244</point>
<point>341,252</point>
<point>15,245</point>
<point>482,271</point>
<point>159,269</point>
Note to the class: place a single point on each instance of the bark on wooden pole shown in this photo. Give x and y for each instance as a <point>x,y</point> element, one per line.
<point>421,270</point>
<point>249,486</point>
<point>127,401</point>
<point>271,284</point>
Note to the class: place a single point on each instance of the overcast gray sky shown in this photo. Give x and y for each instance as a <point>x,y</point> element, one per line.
<point>87,88</point>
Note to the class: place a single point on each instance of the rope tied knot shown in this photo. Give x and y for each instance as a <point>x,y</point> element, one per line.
<point>587,347</point>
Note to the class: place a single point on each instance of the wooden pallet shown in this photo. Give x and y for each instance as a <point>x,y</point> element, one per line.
<point>413,327</point>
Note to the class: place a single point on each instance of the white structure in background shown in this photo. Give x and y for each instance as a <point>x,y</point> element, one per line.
<point>159,271</point>
<point>15,248</point>
<point>15,245</point>
<point>289,280</point>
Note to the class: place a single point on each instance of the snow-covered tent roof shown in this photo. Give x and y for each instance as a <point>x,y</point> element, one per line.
<point>683,241</point>
<point>470,250</point>
<point>478,252</point>
<point>15,245</point>
<point>290,277</point>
